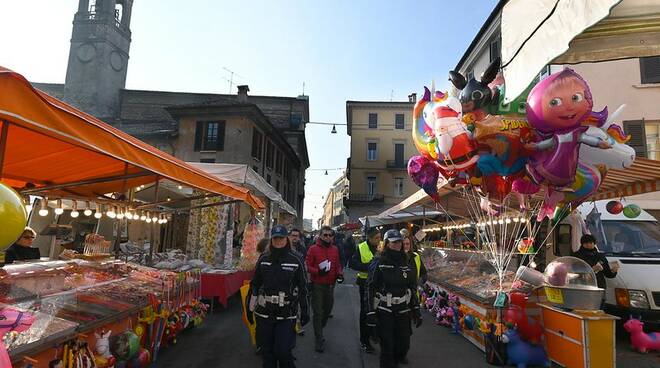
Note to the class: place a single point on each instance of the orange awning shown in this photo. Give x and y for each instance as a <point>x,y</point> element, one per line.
<point>70,153</point>
<point>642,177</point>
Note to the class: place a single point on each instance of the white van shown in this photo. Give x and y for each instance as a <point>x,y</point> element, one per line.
<point>635,243</point>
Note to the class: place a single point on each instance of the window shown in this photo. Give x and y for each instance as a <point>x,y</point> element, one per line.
<point>649,68</point>
<point>279,157</point>
<point>373,121</point>
<point>371,185</point>
<point>399,122</point>
<point>268,178</point>
<point>398,187</point>
<point>545,72</point>
<point>470,75</point>
<point>398,154</point>
<point>210,136</point>
<point>494,49</point>
<point>207,160</point>
<point>637,131</point>
<point>270,154</point>
<point>255,168</point>
<point>296,120</point>
<point>372,151</point>
<point>277,185</point>
<point>257,144</point>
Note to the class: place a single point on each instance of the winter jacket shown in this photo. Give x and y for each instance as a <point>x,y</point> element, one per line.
<point>318,253</point>
<point>391,276</point>
<point>279,275</point>
<point>592,256</point>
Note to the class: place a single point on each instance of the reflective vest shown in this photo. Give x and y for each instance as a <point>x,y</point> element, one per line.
<point>418,262</point>
<point>365,257</point>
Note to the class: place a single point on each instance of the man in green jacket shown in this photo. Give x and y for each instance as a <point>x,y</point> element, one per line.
<point>360,262</point>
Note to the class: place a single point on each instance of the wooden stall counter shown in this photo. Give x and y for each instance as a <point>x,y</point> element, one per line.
<point>579,339</point>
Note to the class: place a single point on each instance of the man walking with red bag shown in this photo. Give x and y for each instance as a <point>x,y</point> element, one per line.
<point>324,266</point>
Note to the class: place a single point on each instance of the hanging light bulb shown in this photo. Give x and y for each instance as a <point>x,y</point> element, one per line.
<point>87,211</point>
<point>59,210</point>
<point>74,211</point>
<point>44,207</point>
<point>500,221</point>
<point>180,187</point>
<point>128,215</point>
<point>120,214</point>
<point>112,213</point>
<point>508,220</point>
<point>334,129</point>
<point>169,199</point>
<point>165,219</point>
<point>99,212</point>
<point>154,218</point>
<point>148,220</point>
<point>143,217</point>
<point>28,205</point>
<point>522,219</point>
<point>516,219</point>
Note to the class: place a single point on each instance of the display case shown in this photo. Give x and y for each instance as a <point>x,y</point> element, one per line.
<point>62,298</point>
<point>468,272</point>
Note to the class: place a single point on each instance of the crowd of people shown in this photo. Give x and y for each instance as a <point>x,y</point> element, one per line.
<point>295,272</point>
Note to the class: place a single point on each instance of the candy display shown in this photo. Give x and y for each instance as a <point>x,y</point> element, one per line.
<point>467,271</point>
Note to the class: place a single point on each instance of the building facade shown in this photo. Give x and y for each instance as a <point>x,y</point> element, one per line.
<point>334,211</point>
<point>633,82</point>
<point>381,145</point>
<point>266,132</point>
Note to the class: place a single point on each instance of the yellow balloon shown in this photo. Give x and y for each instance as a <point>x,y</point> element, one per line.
<point>13,216</point>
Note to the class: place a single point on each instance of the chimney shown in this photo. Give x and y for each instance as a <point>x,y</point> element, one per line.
<point>242,93</point>
<point>412,97</point>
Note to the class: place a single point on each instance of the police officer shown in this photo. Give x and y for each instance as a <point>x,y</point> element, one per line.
<point>392,300</point>
<point>360,262</point>
<point>278,287</point>
<point>410,247</point>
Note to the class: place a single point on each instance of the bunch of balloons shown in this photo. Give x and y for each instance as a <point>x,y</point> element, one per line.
<point>548,141</point>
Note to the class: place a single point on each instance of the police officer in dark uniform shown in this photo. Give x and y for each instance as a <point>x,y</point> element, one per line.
<point>392,297</point>
<point>278,287</point>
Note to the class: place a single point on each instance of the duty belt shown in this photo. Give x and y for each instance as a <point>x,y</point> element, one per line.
<point>279,299</point>
<point>392,300</point>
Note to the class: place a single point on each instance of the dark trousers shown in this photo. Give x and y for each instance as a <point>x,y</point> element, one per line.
<point>394,332</point>
<point>365,331</point>
<point>322,301</point>
<point>277,339</point>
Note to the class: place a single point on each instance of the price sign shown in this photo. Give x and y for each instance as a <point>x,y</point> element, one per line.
<point>554,295</point>
<point>500,300</point>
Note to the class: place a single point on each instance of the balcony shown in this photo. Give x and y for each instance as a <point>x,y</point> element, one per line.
<point>396,165</point>
<point>357,198</point>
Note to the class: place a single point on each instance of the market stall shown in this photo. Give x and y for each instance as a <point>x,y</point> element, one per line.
<point>89,306</point>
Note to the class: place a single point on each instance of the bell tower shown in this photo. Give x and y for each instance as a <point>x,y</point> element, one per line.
<point>98,57</point>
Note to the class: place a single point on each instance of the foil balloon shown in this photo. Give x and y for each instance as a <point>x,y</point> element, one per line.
<point>614,207</point>
<point>632,211</point>
<point>587,181</point>
<point>424,173</point>
<point>501,143</point>
<point>558,108</point>
<point>13,216</point>
<point>621,155</point>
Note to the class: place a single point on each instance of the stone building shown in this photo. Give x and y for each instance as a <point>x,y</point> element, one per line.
<point>266,132</point>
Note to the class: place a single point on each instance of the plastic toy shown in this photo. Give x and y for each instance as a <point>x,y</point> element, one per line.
<point>641,341</point>
<point>104,358</point>
<point>521,353</point>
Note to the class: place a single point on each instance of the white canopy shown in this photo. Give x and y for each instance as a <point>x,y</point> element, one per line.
<point>244,175</point>
<point>540,32</point>
<point>401,216</point>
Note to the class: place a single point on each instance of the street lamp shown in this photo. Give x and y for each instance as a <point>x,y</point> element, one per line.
<point>334,129</point>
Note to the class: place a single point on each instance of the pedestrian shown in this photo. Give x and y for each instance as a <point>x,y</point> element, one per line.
<point>392,300</point>
<point>325,269</point>
<point>360,262</point>
<point>349,248</point>
<point>262,245</point>
<point>299,249</point>
<point>411,249</point>
<point>22,249</point>
<point>598,262</point>
<point>277,290</point>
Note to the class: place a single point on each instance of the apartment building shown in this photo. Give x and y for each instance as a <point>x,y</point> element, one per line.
<point>334,212</point>
<point>381,145</point>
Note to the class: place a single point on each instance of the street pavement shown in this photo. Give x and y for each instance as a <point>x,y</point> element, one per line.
<point>223,341</point>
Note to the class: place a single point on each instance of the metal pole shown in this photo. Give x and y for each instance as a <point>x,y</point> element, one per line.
<point>86,182</point>
<point>153,229</point>
<point>3,144</point>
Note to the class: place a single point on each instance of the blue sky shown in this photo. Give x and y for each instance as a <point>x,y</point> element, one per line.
<point>342,50</point>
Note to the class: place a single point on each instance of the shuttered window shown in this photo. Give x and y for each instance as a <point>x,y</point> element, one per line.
<point>650,69</point>
<point>637,131</point>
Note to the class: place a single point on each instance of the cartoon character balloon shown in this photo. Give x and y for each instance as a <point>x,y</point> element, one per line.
<point>557,107</point>
<point>12,216</point>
